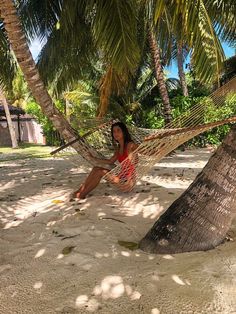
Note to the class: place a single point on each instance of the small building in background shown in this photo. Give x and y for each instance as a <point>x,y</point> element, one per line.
<point>26,127</point>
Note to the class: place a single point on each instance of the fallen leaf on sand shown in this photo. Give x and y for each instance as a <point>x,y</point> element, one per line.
<point>57,201</point>
<point>128,245</point>
<point>67,250</point>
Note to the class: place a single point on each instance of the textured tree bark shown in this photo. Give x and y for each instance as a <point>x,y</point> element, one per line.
<point>159,75</point>
<point>200,218</point>
<point>25,60</point>
<point>9,121</point>
<point>181,73</point>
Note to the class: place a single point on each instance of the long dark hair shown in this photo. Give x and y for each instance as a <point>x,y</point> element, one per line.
<point>125,131</point>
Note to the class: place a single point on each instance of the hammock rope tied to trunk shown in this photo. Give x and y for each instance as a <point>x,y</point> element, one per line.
<point>153,144</point>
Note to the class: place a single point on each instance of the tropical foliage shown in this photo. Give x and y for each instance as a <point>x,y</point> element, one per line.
<point>50,133</point>
<point>84,40</point>
<point>7,62</point>
<point>78,31</point>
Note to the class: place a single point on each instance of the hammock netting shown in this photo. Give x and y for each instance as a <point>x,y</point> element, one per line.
<point>153,144</point>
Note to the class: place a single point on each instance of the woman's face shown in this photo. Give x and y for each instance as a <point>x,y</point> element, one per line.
<point>117,133</point>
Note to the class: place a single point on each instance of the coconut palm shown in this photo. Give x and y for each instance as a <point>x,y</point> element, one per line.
<point>7,70</point>
<point>180,62</point>
<point>97,33</point>
<point>3,100</point>
<point>21,50</point>
<point>201,217</point>
<point>159,75</point>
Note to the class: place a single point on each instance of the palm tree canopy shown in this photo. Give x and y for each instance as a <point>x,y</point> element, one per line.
<point>191,22</point>
<point>77,31</point>
<point>113,25</point>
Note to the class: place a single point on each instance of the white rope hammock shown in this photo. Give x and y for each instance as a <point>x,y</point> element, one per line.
<point>153,144</point>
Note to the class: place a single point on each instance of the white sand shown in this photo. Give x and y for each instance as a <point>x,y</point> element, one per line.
<point>99,275</point>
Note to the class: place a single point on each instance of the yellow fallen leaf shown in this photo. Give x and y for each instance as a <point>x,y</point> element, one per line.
<point>57,201</point>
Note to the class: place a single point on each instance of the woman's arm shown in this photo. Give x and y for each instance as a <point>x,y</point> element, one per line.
<point>131,147</point>
<point>133,157</point>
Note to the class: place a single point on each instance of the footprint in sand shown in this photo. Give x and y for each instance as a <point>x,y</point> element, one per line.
<point>3,268</point>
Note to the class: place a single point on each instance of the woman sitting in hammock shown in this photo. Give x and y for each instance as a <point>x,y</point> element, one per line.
<point>126,177</point>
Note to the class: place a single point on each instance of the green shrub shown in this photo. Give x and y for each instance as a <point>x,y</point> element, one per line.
<point>228,109</point>
<point>213,113</point>
<point>184,107</point>
<point>49,131</point>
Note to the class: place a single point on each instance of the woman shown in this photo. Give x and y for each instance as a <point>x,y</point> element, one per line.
<point>125,147</point>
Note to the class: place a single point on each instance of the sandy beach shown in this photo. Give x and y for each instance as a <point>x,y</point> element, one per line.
<point>61,257</point>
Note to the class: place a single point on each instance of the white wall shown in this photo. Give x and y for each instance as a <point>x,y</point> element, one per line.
<point>30,130</point>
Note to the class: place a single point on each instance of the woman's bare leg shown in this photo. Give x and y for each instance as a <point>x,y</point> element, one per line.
<point>91,182</point>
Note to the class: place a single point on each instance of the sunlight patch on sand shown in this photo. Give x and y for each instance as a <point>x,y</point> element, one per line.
<point>178,280</point>
<point>38,285</point>
<point>8,185</point>
<point>167,256</point>
<point>40,253</point>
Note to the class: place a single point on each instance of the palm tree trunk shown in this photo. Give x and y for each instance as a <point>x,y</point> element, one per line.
<point>180,62</point>
<point>9,121</point>
<point>105,92</point>
<point>159,75</point>
<point>23,55</point>
<point>200,218</point>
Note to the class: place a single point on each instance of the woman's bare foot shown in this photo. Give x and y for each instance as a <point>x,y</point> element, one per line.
<point>73,195</point>
<point>79,195</point>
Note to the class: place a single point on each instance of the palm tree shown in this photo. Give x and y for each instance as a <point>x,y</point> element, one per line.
<point>180,62</point>
<point>97,34</point>
<point>95,29</point>
<point>110,32</point>
<point>3,100</point>
<point>200,218</point>
<point>25,60</point>
<point>159,75</point>
<point>179,52</point>
<point>6,75</point>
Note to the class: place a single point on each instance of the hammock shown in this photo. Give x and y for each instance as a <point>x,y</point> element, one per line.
<point>153,144</point>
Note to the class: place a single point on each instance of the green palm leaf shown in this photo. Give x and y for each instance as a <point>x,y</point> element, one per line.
<point>115,32</point>
<point>39,17</point>
<point>197,30</point>
<point>7,62</point>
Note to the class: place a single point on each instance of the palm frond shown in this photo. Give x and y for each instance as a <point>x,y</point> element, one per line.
<point>208,54</point>
<point>112,82</point>
<point>68,53</point>
<point>173,83</point>
<point>223,15</point>
<point>7,62</point>
<point>115,32</point>
<point>199,34</point>
<point>39,18</point>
